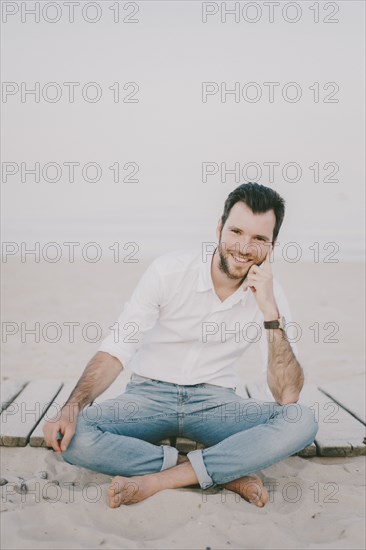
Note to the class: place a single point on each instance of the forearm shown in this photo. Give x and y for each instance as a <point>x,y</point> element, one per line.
<point>285,375</point>
<point>98,375</point>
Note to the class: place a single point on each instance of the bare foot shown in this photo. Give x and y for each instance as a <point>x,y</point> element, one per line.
<point>250,488</point>
<point>129,490</point>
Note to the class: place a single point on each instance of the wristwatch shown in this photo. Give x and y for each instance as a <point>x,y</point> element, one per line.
<point>278,323</point>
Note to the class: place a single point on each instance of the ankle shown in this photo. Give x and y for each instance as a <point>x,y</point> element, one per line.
<point>181,459</point>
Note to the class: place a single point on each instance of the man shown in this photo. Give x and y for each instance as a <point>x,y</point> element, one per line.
<point>182,333</point>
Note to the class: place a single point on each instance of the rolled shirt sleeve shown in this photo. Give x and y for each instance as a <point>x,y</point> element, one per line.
<point>292,328</point>
<point>139,315</point>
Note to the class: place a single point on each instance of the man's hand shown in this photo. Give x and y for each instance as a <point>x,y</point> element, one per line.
<point>260,282</point>
<point>98,375</point>
<point>64,423</point>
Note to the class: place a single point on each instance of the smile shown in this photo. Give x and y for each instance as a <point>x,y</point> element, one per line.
<point>239,260</point>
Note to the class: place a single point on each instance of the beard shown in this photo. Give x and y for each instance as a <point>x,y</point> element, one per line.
<point>224,267</point>
<point>240,271</point>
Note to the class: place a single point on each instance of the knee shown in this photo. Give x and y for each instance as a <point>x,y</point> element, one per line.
<point>80,449</point>
<point>303,421</point>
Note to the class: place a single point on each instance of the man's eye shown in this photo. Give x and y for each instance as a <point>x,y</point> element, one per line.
<point>235,231</point>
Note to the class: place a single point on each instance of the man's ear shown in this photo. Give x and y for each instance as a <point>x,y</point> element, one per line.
<point>218,229</point>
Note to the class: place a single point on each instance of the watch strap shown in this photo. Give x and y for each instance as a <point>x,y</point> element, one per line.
<point>277,323</point>
<point>272,324</point>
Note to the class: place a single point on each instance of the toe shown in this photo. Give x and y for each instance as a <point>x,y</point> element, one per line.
<point>114,502</point>
<point>111,492</point>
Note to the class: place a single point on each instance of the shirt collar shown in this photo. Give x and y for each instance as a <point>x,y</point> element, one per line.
<point>205,281</point>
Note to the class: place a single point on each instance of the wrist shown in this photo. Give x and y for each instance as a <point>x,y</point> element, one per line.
<point>71,410</point>
<point>271,314</point>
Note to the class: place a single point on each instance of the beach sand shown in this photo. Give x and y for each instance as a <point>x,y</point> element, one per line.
<point>314,503</point>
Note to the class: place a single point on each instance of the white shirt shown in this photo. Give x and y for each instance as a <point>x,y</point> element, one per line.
<point>175,328</point>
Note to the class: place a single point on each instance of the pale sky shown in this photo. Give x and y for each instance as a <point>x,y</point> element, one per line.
<point>170,132</point>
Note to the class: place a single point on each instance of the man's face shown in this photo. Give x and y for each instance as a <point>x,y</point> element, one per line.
<point>244,240</point>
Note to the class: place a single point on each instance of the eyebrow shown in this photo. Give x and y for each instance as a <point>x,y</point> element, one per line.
<point>238,229</point>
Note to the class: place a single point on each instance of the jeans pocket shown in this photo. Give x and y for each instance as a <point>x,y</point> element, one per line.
<point>137,379</point>
<point>216,388</point>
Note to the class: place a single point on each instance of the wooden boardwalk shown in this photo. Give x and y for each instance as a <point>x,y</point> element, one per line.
<point>338,407</point>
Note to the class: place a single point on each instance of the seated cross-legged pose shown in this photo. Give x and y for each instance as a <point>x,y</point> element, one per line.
<point>183,333</point>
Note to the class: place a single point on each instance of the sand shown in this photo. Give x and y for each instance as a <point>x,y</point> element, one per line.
<point>314,503</point>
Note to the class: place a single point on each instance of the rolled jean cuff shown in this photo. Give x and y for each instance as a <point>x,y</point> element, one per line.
<point>196,459</point>
<point>170,457</point>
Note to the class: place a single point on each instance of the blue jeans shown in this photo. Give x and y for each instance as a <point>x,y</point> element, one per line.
<point>120,436</point>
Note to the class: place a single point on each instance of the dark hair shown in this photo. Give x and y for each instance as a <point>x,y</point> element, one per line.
<point>259,199</point>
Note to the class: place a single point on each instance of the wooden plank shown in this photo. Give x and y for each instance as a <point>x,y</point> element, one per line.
<point>185,445</point>
<point>164,442</point>
<point>36,438</point>
<point>21,417</point>
<point>8,392</point>
<point>261,391</point>
<point>349,394</point>
<point>339,434</point>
